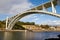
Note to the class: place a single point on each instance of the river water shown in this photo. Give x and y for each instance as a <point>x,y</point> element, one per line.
<point>27,35</point>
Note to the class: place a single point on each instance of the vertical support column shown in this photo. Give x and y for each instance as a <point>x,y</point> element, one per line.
<point>6,23</point>
<point>43,8</point>
<point>53,8</point>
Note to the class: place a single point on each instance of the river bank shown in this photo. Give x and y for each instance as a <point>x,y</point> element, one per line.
<point>29,30</point>
<point>13,30</point>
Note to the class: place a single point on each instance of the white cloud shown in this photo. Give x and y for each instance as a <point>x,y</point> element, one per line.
<point>35,20</point>
<point>14,6</point>
<point>20,7</point>
<point>35,16</point>
<point>42,15</point>
<point>28,17</point>
<point>52,22</point>
<point>4,6</point>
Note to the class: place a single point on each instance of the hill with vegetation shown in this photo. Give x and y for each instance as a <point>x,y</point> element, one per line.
<point>2,24</point>
<point>17,25</point>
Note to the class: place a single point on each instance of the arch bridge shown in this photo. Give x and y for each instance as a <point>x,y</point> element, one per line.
<point>41,9</point>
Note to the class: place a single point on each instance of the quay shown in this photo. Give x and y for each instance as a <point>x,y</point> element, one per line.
<point>12,30</point>
<point>30,31</point>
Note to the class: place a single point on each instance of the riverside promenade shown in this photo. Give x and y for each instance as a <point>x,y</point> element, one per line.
<point>29,30</point>
<point>4,30</point>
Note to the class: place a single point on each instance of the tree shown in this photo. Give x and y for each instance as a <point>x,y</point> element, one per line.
<point>44,26</point>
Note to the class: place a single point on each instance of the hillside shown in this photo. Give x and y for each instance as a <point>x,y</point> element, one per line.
<point>17,25</point>
<point>2,24</point>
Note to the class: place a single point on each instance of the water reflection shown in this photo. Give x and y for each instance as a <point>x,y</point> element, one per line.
<point>7,36</point>
<point>27,35</point>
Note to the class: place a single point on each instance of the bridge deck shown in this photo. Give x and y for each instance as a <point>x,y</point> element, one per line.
<point>46,5</point>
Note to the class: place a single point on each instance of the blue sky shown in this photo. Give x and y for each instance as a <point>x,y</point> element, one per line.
<point>12,7</point>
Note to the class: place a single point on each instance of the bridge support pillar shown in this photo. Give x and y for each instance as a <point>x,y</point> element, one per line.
<point>53,7</point>
<point>6,23</point>
<point>43,8</point>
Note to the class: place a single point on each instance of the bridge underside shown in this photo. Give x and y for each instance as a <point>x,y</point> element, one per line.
<point>41,9</point>
<point>12,23</point>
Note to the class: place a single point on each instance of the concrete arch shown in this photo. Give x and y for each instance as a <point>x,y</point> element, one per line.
<point>19,16</point>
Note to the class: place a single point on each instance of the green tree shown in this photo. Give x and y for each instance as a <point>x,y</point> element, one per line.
<point>44,26</point>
